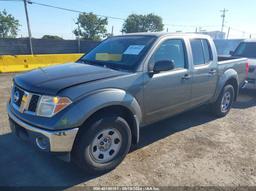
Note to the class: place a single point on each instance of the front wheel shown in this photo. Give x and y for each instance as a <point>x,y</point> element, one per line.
<point>225,101</point>
<point>103,145</point>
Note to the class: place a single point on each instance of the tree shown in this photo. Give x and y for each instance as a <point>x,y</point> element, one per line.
<point>143,23</point>
<point>8,25</point>
<point>91,27</point>
<point>52,37</point>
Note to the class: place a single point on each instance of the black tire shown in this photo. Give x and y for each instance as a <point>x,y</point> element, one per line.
<point>217,106</point>
<point>82,149</point>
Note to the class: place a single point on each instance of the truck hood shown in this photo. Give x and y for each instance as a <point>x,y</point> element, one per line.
<point>51,80</point>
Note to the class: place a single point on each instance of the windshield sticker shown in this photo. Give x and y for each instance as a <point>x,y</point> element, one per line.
<point>108,57</point>
<point>134,49</point>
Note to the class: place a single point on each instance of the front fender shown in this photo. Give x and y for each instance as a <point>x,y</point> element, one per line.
<point>227,75</point>
<point>95,101</point>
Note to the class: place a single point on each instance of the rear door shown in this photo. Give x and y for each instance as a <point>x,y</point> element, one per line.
<point>204,73</point>
<point>169,92</point>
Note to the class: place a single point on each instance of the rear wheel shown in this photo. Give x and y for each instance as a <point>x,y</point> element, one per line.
<point>225,101</point>
<point>103,145</point>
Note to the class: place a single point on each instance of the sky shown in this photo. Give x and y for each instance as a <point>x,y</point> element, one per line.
<point>178,15</point>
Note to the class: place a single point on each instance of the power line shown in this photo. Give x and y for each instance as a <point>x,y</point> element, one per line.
<point>241,31</point>
<point>71,10</point>
<point>65,9</point>
<point>192,26</point>
<point>223,15</point>
<point>10,0</point>
<point>111,17</point>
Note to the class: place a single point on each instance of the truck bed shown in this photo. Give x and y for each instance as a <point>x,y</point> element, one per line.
<point>225,58</point>
<point>239,64</point>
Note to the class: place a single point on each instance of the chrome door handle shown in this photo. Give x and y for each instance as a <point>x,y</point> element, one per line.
<point>186,77</point>
<point>213,72</point>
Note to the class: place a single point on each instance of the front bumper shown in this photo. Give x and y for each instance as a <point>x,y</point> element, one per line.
<point>46,140</point>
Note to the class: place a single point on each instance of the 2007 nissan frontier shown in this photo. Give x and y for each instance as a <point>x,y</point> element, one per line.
<point>92,110</point>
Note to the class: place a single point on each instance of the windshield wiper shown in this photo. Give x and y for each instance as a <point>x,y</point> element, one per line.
<point>101,64</point>
<point>109,65</point>
<point>93,63</point>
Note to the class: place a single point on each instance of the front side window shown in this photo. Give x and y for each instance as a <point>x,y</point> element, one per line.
<point>171,50</point>
<point>247,50</point>
<point>121,52</point>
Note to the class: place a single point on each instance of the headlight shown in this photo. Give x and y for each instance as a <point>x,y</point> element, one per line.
<point>49,106</point>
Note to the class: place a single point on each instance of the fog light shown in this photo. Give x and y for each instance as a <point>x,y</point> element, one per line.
<point>42,143</point>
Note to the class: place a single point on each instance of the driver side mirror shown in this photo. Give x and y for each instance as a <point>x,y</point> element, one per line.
<point>163,65</point>
<point>231,53</point>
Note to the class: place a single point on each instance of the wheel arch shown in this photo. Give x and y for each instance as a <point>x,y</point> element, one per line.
<point>123,112</point>
<point>112,101</point>
<point>230,76</point>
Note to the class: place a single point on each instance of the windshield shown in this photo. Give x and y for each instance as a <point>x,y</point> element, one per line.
<point>121,53</point>
<point>247,50</point>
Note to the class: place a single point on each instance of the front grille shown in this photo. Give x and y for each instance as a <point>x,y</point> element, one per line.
<point>33,103</point>
<point>32,100</point>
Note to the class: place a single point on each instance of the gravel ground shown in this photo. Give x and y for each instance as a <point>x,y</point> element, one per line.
<point>192,149</point>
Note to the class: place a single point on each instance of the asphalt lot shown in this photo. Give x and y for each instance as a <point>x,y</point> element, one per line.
<point>192,149</point>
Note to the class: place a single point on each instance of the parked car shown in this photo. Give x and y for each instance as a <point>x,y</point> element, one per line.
<point>92,110</point>
<point>247,49</point>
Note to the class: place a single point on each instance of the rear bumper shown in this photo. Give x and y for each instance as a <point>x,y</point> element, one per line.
<point>51,141</point>
<point>244,84</point>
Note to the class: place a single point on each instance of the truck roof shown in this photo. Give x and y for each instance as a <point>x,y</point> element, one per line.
<point>159,34</point>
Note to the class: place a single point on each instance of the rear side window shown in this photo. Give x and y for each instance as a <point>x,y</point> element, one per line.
<point>201,51</point>
<point>207,51</point>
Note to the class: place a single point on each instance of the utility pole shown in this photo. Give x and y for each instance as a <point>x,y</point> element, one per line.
<point>223,16</point>
<point>78,38</point>
<point>28,25</point>
<point>112,31</point>
<point>228,32</point>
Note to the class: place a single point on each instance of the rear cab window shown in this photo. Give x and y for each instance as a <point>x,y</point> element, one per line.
<point>201,50</point>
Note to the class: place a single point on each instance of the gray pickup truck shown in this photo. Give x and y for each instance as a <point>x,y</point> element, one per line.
<point>92,110</point>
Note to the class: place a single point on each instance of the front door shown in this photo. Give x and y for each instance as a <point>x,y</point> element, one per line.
<point>168,92</point>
